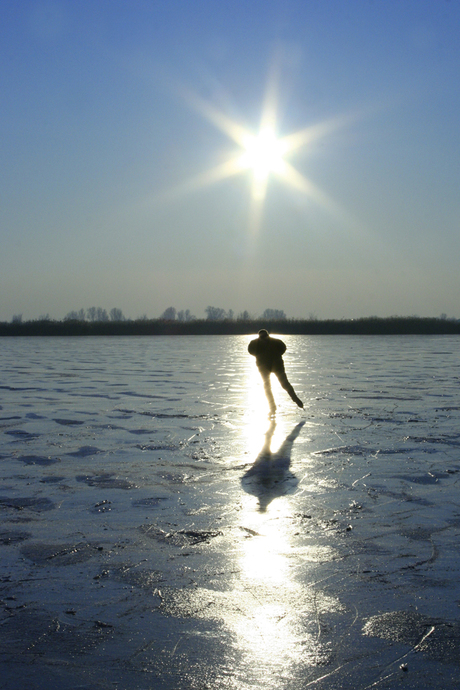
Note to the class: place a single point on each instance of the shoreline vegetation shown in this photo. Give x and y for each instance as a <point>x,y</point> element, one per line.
<point>373,325</point>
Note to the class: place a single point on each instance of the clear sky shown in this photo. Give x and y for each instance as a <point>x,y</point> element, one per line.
<point>128,179</point>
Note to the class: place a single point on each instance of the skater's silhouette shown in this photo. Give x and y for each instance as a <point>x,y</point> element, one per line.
<point>269,359</point>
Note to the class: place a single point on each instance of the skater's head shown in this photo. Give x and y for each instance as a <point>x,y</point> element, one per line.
<point>263,333</point>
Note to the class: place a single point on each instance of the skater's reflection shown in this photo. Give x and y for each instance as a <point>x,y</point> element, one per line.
<point>270,475</point>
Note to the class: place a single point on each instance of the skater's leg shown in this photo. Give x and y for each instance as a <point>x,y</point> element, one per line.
<point>265,373</point>
<point>283,379</point>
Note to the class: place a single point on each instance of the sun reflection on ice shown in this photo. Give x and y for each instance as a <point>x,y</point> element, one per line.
<point>264,557</point>
<point>278,618</point>
<point>267,589</point>
<point>268,602</point>
<point>267,633</point>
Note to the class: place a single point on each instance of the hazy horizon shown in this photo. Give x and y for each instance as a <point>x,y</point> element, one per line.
<point>129,179</point>
<point>185,317</point>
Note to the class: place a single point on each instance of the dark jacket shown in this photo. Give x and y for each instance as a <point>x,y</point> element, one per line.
<point>268,352</point>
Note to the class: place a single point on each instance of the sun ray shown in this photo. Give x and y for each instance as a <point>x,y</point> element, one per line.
<point>297,181</point>
<point>308,135</point>
<point>206,179</point>
<point>232,129</point>
<point>255,212</point>
<point>262,154</point>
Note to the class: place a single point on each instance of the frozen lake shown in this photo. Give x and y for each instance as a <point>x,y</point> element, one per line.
<point>159,531</point>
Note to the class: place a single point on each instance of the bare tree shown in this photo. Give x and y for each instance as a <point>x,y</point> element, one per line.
<point>274,315</point>
<point>71,316</point>
<point>169,314</point>
<point>79,315</point>
<point>102,314</point>
<point>185,315</point>
<point>97,314</point>
<point>215,314</point>
<point>116,315</point>
<point>17,318</point>
<point>91,313</point>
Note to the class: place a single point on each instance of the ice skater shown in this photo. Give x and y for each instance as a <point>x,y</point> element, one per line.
<point>269,359</point>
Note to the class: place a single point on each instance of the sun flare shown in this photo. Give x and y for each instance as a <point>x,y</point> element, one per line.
<point>262,154</point>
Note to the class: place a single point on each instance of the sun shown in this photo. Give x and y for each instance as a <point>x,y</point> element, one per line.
<point>263,155</point>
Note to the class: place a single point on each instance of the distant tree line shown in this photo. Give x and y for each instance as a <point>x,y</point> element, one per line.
<point>100,315</point>
<point>170,314</point>
<point>393,325</point>
<point>219,314</point>
<point>95,314</point>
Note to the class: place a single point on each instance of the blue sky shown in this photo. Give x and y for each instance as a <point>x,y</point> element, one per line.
<point>106,132</point>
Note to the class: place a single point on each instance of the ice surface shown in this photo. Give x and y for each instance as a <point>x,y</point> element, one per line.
<point>160,531</point>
